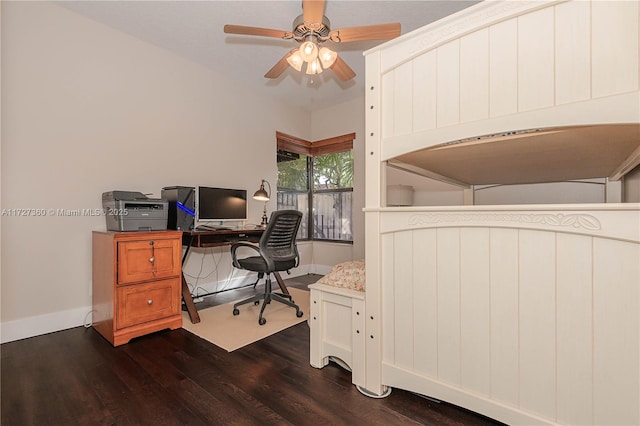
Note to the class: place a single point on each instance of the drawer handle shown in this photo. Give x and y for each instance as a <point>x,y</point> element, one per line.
<point>150,302</point>
<point>153,252</point>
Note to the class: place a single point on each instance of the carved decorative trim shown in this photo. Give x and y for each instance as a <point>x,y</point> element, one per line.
<point>576,220</point>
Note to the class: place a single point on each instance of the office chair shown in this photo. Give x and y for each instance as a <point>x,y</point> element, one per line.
<point>277,251</point>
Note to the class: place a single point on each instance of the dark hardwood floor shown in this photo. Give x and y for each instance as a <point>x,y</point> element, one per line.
<point>75,377</point>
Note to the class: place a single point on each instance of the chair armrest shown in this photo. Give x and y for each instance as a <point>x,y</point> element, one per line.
<point>295,247</point>
<point>236,246</point>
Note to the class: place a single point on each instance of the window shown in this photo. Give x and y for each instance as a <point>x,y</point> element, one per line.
<point>293,187</point>
<point>318,178</point>
<point>332,190</point>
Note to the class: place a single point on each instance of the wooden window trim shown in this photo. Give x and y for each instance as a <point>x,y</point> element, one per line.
<point>320,147</point>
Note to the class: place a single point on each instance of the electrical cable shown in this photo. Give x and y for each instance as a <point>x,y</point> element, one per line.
<point>195,288</point>
<point>88,325</point>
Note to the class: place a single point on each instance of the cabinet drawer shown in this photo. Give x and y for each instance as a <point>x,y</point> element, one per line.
<point>147,302</point>
<point>148,260</point>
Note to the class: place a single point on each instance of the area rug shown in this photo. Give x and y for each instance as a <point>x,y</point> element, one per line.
<point>219,326</point>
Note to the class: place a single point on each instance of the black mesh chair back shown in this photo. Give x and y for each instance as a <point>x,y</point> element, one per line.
<point>276,251</point>
<point>279,239</point>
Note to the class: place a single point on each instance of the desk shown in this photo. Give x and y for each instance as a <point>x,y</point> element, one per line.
<point>217,238</point>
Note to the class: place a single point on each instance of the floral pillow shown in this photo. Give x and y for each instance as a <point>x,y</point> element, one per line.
<point>346,275</point>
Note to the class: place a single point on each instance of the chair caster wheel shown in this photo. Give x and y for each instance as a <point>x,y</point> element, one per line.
<point>257,302</point>
<point>236,311</point>
<point>262,321</point>
<point>299,314</point>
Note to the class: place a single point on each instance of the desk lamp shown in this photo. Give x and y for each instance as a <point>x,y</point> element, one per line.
<point>262,195</point>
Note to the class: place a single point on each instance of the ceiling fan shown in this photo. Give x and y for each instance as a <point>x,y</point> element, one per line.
<point>311,30</point>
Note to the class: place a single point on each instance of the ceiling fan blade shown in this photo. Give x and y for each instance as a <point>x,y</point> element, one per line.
<point>255,31</point>
<point>279,67</point>
<point>367,32</point>
<point>342,70</point>
<point>312,11</point>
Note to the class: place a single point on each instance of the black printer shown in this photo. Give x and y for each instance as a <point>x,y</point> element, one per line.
<point>134,211</point>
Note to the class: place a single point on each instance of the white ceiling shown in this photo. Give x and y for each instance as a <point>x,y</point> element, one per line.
<point>194,29</point>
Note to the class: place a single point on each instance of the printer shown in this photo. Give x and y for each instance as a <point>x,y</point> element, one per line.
<point>134,211</point>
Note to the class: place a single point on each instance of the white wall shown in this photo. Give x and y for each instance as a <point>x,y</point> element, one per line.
<point>631,186</point>
<point>341,119</point>
<point>587,191</point>
<point>427,192</point>
<point>88,109</point>
<point>0,165</point>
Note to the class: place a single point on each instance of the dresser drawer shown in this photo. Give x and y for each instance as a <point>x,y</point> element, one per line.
<point>141,303</point>
<point>149,259</point>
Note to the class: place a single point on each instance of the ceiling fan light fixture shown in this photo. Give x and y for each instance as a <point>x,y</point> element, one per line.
<point>314,67</point>
<point>310,30</point>
<point>309,51</point>
<point>295,60</point>
<point>327,57</point>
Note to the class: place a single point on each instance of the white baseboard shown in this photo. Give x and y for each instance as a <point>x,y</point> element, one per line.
<point>62,320</point>
<point>43,324</point>
<point>319,269</point>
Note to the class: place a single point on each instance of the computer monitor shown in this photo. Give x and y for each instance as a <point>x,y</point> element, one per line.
<point>220,204</point>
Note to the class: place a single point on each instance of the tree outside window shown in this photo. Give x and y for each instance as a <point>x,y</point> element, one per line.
<point>293,187</point>
<point>328,194</point>
<point>332,195</point>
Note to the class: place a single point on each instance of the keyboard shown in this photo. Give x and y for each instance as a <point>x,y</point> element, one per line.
<point>212,228</point>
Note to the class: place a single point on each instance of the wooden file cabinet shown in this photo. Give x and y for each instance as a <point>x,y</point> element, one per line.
<point>136,283</point>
